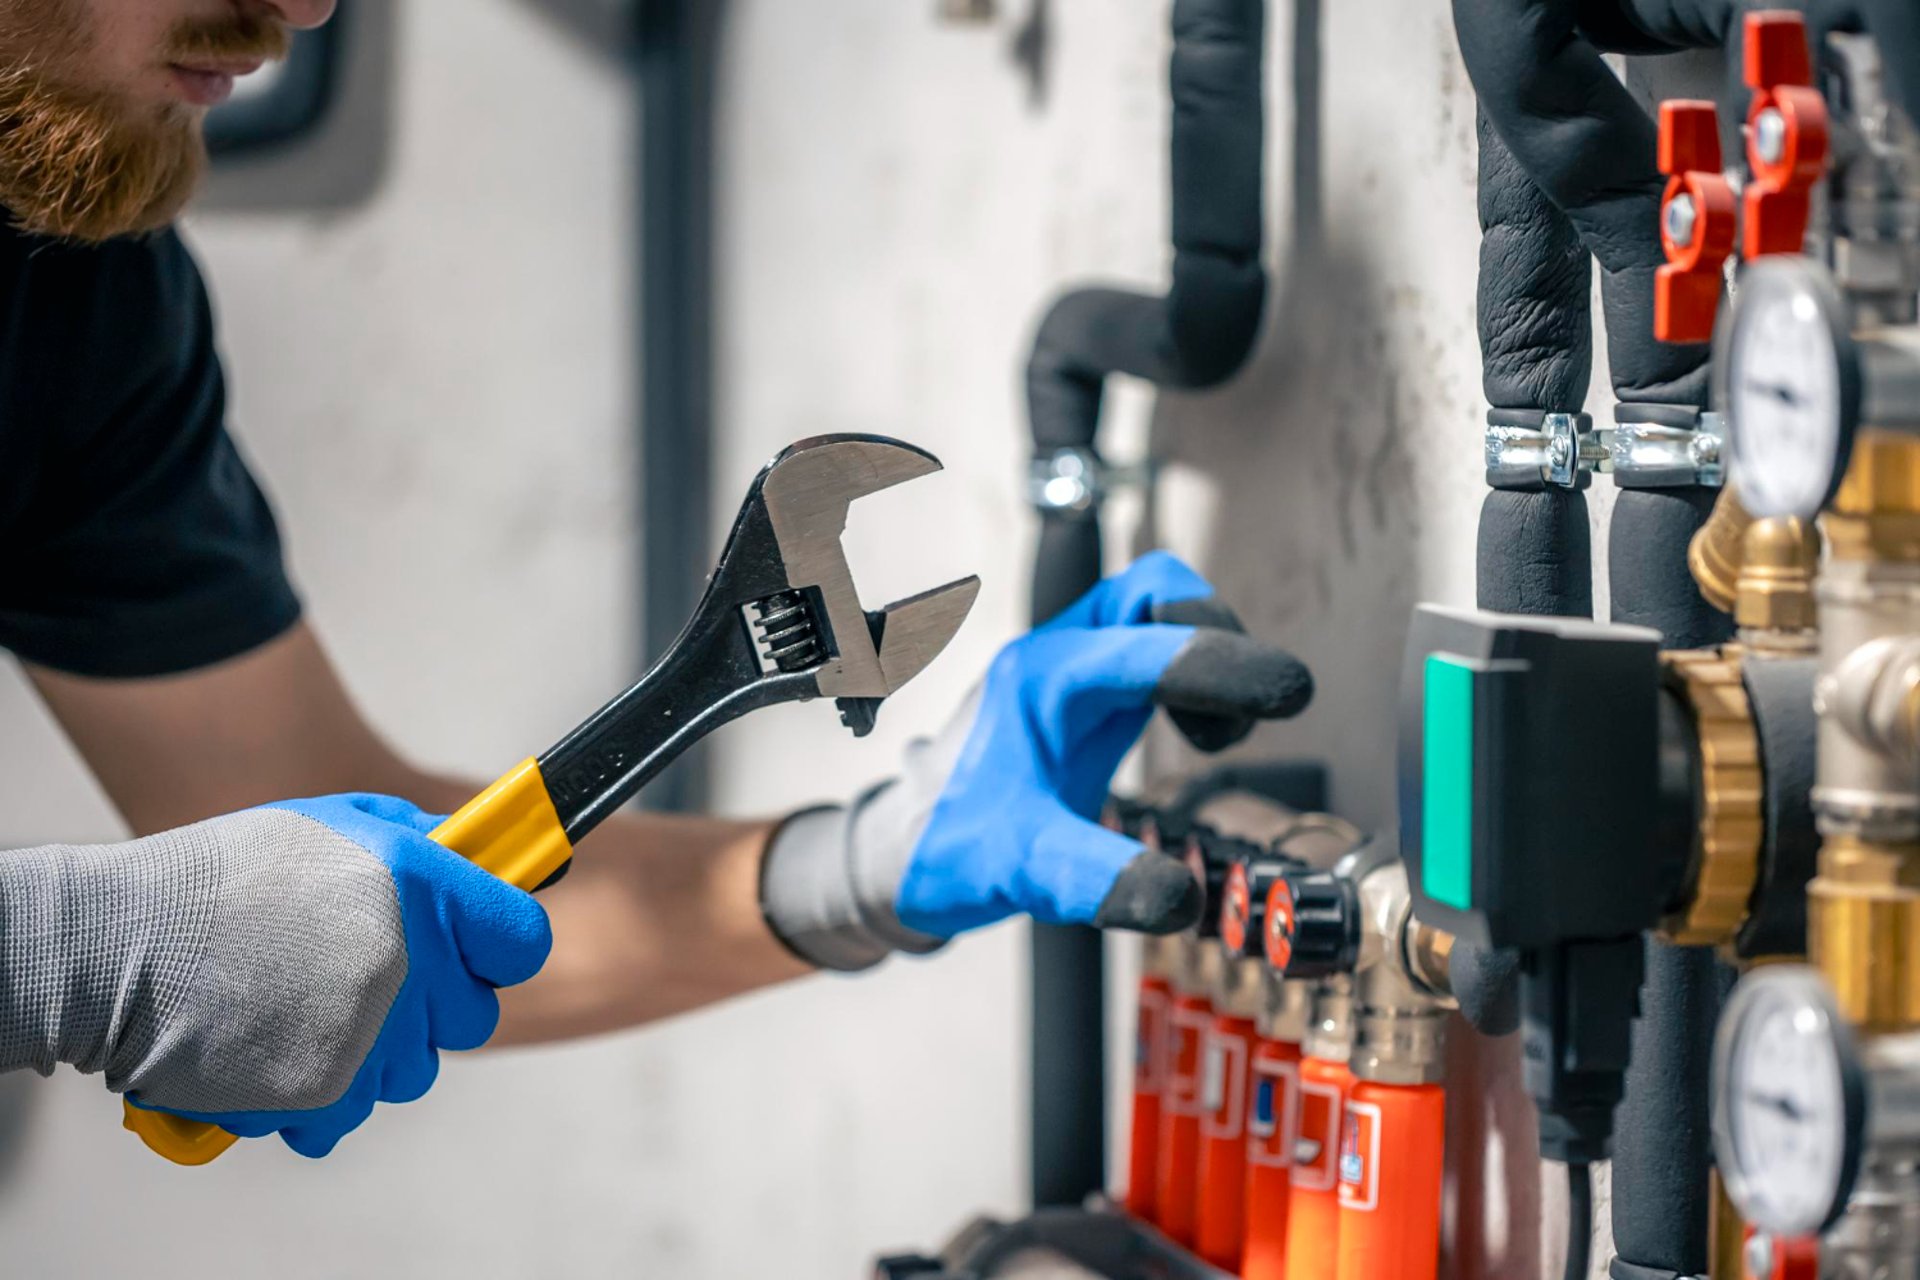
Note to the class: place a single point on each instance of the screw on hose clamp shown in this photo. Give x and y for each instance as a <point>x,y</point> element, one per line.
<point>1655,455</point>
<point>1073,482</point>
<point>1557,452</point>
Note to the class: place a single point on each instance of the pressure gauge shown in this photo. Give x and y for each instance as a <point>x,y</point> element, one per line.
<point>1789,1102</point>
<point>1788,383</point>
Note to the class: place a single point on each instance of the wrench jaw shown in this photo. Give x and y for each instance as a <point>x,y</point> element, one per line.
<point>806,493</point>
<point>908,635</point>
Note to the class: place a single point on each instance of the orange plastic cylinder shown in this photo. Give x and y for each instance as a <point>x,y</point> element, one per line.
<point>1175,1205</point>
<point>1220,1190</point>
<point>1392,1161</point>
<point>1273,1122</point>
<point>1313,1211</point>
<point>1151,1044</point>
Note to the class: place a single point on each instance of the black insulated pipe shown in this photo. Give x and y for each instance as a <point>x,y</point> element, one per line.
<point>1536,343</point>
<point>1577,131</point>
<point>1197,336</point>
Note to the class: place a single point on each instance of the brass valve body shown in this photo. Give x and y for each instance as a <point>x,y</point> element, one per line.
<point>1774,604</point>
<point>1727,843</point>
<point>1863,930</point>
<point>1715,553</point>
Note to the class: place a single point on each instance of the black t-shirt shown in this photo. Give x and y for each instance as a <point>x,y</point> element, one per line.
<point>133,541</point>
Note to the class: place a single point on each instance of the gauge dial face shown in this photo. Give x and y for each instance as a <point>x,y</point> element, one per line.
<point>1790,389</point>
<point>1787,1109</point>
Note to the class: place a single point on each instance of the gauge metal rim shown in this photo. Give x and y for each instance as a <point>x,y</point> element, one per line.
<point>1788,274</point>
<point>1812,989</point>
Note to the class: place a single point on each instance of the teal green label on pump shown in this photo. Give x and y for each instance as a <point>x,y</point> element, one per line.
<point>1446,826</point>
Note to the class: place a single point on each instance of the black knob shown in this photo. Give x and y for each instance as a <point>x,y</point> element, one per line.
<point>1126,816</point>
<point>1313,926</point>
<point>1243,911</point>
<point>1166,830</point>
<point>1210,856</point>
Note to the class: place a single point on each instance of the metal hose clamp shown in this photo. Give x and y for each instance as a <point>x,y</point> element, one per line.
<point>1557,452</point>
<point>1073,482</point>
<point>1655,455</point>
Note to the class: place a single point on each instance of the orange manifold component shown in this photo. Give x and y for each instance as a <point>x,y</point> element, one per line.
<point>1788,134</point>
<point>1698,215</point>
<point>1220,1190</point>
<point>1273,1127</point>
<point>1392,1163</point>
<point>1313,1211</point>
<point>1152,1043</point>
<point>1792,1260</point>
<point>1175,1207</point>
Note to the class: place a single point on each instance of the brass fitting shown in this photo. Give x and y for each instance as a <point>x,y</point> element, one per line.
<point>1774,604</point>
<point>1240,989</point>
<point>1876,513</point>
<point>1400,1020</point>
<point>1715,553</point>
<point>1863,930</point>
<point>1330,1031</point>
<point>1726,858</point>
<point>1286,1011</point>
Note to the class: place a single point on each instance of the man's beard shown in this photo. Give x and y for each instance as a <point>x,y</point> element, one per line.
<point>86,164</point>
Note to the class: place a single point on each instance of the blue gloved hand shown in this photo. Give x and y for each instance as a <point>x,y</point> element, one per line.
<point>342,951</point>
<point>998,816</point>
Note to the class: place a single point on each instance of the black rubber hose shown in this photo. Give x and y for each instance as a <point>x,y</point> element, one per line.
<point>1590,147</point>
<point>1200,333</point>
<point>1579,1222</point>
<point>1197,336</point>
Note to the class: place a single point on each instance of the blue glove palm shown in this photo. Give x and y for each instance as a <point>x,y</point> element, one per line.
<point>1015,828</point>
<point>464,934</point>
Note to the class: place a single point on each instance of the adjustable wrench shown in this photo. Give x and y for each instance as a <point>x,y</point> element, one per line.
<point>780,622</point>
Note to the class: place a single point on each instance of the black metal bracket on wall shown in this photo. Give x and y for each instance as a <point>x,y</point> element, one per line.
<point>676,53</point>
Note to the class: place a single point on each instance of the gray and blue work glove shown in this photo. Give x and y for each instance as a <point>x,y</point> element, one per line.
<point>998,815</point>
<point>275,971</point>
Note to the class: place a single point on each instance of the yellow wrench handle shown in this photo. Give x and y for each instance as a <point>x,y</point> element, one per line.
<point>510,829</point>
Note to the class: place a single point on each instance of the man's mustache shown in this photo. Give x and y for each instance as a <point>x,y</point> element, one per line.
<point>245,35</point>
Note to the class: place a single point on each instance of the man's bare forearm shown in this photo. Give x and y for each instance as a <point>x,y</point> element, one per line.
<point>657,916</point>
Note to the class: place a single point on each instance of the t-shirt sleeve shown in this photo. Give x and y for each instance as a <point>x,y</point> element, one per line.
<point>145,547</point>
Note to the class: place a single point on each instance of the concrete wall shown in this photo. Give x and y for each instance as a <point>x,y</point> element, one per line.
<point>439,386</point>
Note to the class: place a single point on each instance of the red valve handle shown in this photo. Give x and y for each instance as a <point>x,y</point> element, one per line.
<point>1697,221</point>
<point>1788,134</point>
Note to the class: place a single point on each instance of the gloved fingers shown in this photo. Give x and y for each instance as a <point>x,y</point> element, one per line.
<point>1073,868</point>
<point>501,933</point>
<point>1223,682</point>
<point>402,813</point>
<point>317,1138</point>
<point>461,1014</point>
<point>1129,597</point>
<point>1153,894</point>
<point>1227,684</point>
<point>409,1071</point>
<point>1200,611</point>
<point>1074,680</point>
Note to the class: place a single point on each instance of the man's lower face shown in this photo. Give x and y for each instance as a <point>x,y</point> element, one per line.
<point>83,161</point>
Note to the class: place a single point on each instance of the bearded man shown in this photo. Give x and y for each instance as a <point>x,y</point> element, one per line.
<point>279,965</point>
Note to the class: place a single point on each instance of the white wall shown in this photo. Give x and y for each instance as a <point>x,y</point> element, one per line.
<point>439,388</point>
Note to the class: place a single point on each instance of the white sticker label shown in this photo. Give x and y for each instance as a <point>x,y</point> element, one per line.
<point>1213,1086</point>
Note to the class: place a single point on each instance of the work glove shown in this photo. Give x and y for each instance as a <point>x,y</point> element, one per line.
<point>996,816</point>
<point>275,971</point>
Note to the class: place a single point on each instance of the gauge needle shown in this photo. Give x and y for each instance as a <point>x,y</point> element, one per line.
<point>1778,1102</point>
<point>1776,391</point>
